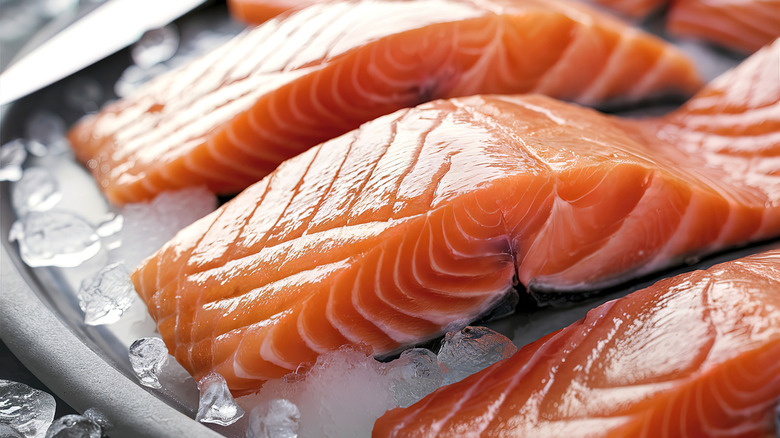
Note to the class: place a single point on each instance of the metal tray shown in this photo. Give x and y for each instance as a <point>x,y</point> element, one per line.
<point>87,366</point>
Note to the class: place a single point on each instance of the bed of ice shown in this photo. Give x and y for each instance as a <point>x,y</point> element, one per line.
<point>93,246</point>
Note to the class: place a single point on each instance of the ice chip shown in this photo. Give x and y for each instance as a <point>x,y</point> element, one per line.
<point>155,46</point>
<point>147,357</point>
<point>54,238</point>
<point>12,156</point>
<point>216,404</point>
<point>470,350</point>
<point>278,418</point>
<point>37,190</point>
<point>414,375</point>
<point>106,296</point>
<point>83,94</point>
<point>74,426</point>
<point>46,133</point>
<point>25,410</point>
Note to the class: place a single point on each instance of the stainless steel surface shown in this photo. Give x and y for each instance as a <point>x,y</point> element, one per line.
<point>97,34</point>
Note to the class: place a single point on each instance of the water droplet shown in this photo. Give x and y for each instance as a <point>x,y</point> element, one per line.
<point>37,190</point>
<point>147,357</point>
<point>107,295</point>
<point>54,238</point>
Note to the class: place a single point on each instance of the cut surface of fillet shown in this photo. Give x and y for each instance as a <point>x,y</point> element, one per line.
<point>260,11</point>
<point>229,118</point>
<point>743,25</point>
<point>423,219</point>
<point>693,355</point>
<point>632,8</point>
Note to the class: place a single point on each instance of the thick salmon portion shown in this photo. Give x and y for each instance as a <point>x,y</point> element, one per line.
<point>425,218</point>
<point>697,355</point>
<point>631,8</point>
<point>744,25</point>
<point>230,118</point>
<point>260,11</point>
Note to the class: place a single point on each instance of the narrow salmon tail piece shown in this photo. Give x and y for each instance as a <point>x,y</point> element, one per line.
<point>632,8</point>
<point>426,218</point>
<point>696,355</point>
<point>260,11</point>
<point>230,118</point>
<point>742,25</point>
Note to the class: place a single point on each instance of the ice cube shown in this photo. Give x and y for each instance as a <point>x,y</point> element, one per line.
<point>106,296</point>
<point>155,46</point>
<point>12,156</point>
<point>25,410</point>
<point>414,375</point>
<point>278,418</point>
<point>37,190</point>
<point>470,350</point>
<point>134,76</point>
<point>148,225</point>
<point>216,403</point>
<point>46,133</point>
<point>98,418</point>
<point>74,426</point>
<point>147,357</point>
<point>54,238</point>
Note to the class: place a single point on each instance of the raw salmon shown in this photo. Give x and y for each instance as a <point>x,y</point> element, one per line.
<point>260,11</point>
<point>631,8</point>
<point>697,355</point>
<point>427,217</point>
<point>744,25</point>
<point>229,119</point>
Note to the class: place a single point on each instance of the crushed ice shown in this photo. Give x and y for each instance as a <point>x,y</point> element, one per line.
<point>37,190</point>
<point>147,357</point>
<point>106,296</point>
<point>84,94</point>
<point>278,418</point>
<point>470,350</point>
<point>12,156</point>
<point>54,238</point>
<point>148,225</point>
<point>74,426</point>
<point>24,410</point>
<point>216,404</point>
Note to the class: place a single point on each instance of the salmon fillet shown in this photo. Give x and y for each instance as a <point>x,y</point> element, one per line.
<point>230,118</point>
<point>629,8</point>
<point>743,25</point>
<point>696,355</point>
<point>260,11</point>
<point>426,218</point>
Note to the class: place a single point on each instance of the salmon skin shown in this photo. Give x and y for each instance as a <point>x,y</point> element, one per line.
<point>696,355</point>
<point>426,218</point>
<point>230,118</point>
<point>742,25</point>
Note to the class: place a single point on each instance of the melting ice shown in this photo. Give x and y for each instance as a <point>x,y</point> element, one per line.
<point>216,404</point>
<point>470,350</point>
<point>155,46</point>
<point>74,426</point>
<point>12,156</point>
<point>106,296</point>
<point>147,357</point>
<point>414,375</point>
<point>25,410</point>
<point>37,190</point>
<point>46,133</point>
<point>54,238</point>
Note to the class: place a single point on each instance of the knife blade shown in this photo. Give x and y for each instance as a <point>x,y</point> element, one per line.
<point>104,30</point>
